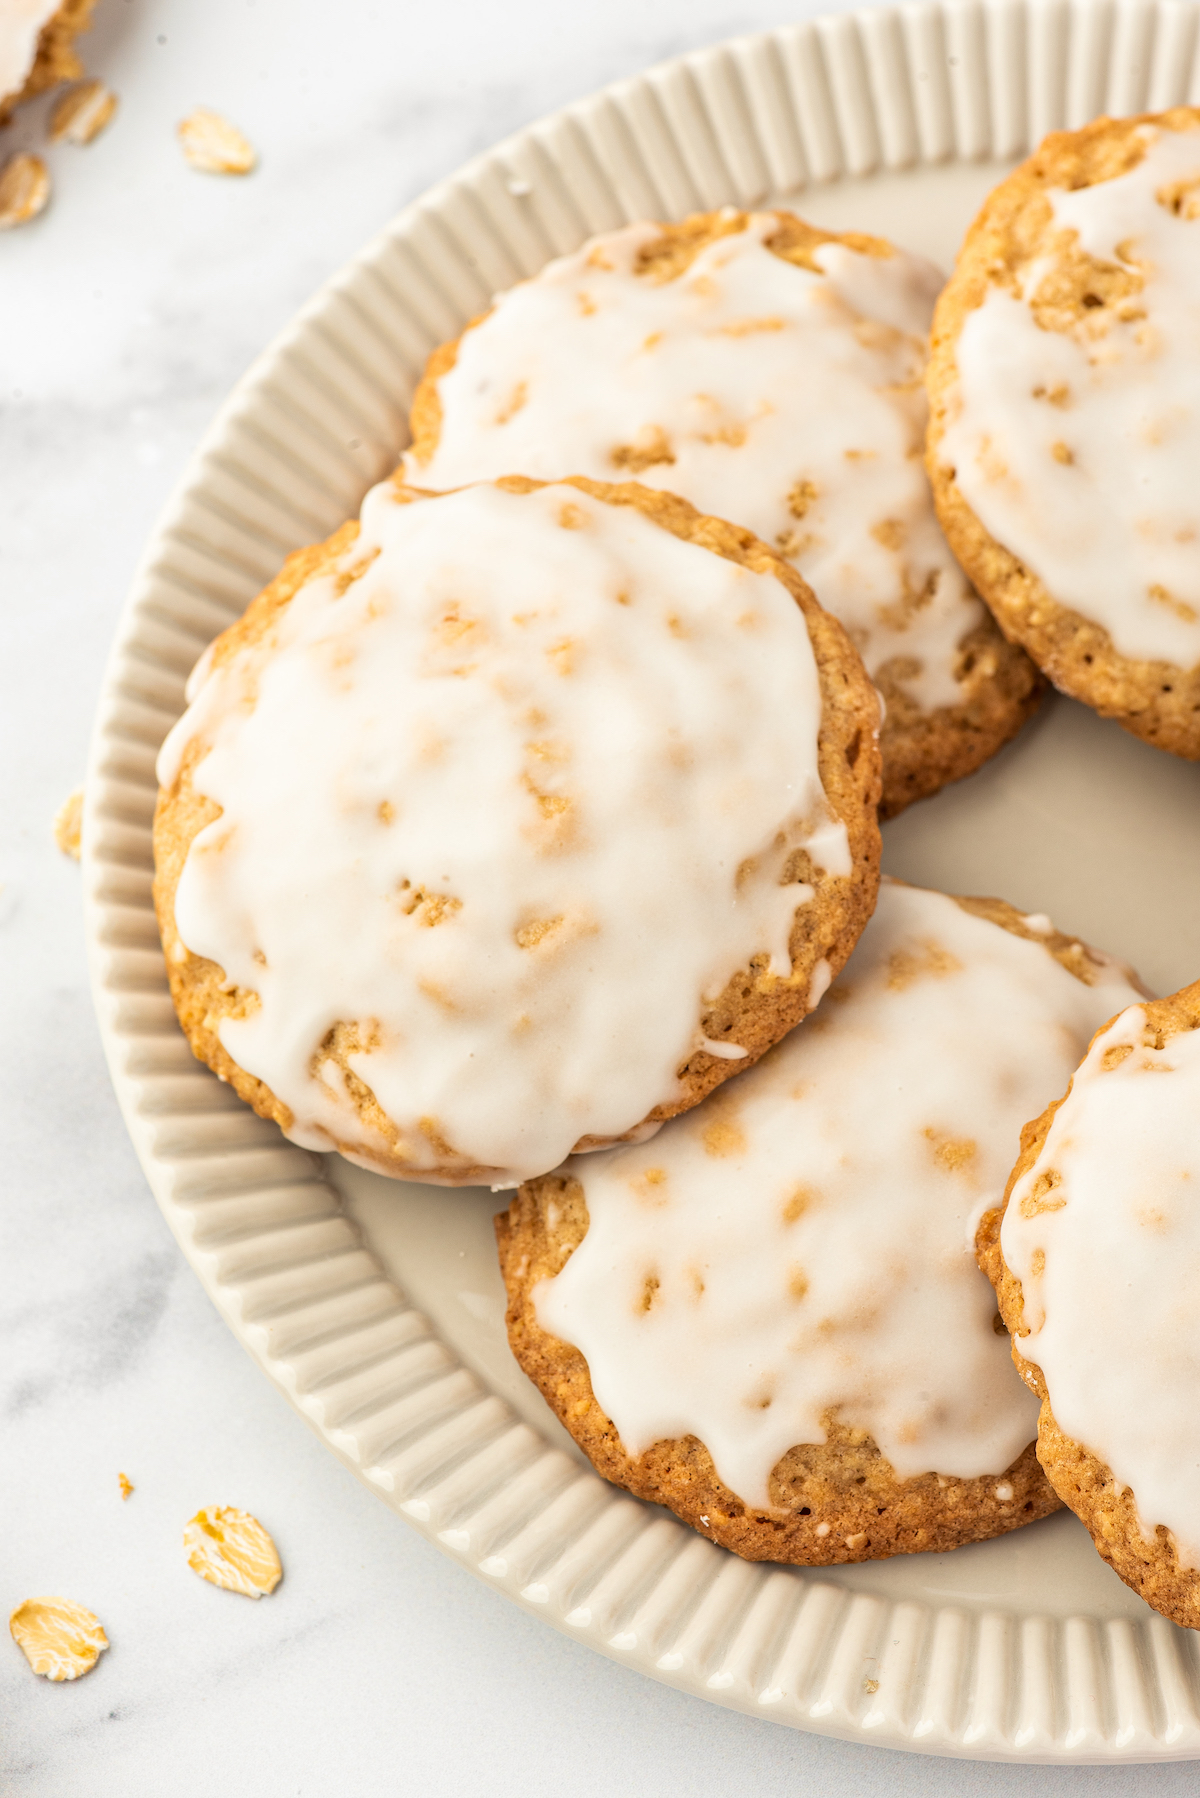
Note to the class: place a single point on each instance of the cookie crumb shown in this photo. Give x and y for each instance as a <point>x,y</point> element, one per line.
<point>82,113</point>
<point>24,189</point>
<point>214,146</point>
<point>230,1548</point>
<point>870,1685</point>
<point>68,824</point>
<point>125,1483</point>
<point>59,1639</point>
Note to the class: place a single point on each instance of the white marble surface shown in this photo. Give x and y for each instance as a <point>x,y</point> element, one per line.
<point>125,315</point>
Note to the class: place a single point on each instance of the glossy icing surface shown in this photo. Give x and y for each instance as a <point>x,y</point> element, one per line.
<point>507,796</point>
<point>784,398</point>
<point>802,1243</point>
<point>1077,450</point>
<point>1103,1231</point>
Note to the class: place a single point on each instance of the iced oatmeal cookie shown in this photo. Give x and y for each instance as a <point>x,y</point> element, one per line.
<point>512,821</point>
<point>771,373</point>
<point>1095,1257</point>
<point>770,1318</point>
<point>1065,417</point>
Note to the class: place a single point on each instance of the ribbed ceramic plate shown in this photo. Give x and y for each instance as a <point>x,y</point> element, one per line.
<point>377,1307</point>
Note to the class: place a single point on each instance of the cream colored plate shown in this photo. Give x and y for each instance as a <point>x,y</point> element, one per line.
<point>376,1307</point>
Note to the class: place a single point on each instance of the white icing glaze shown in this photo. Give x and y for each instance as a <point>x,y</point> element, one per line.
<point>579,747</point>
<point>880,1127</point>
<point>761,377</point>
<point>1109,1264</point>
<point>21,23</point>
<point>1095,491</point>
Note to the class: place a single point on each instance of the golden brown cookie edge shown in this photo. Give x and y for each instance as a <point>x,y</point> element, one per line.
<point>755,1009</point>
<point>1086,1485</point>
<point>1155,701</point>
<point>55,60</point>
<point>922,751</point>
<point>680,1473</point>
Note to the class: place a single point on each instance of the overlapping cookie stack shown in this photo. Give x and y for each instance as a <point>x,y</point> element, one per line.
<point>514,832</point>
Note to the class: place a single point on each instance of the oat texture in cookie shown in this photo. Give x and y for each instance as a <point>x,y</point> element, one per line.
<point>770,373</point>
<point>35,47</point>
<point>513,820</point>
<point>1066,425</point>
<point>1097,1265</point>
<point>770,1318</point>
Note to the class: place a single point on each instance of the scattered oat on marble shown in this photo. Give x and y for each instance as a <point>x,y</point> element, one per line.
<point>125,1483</point>
<point>214,146</point>
<point>82,113</point>
<point>59,1639</point>
<point>232,1549</point>
<point>24,189</point>
<point>68,824</point>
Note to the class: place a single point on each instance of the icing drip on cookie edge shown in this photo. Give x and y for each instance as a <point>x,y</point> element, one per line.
<point>803,1242</point>
<point>1103,1232</point>
<point>786,399</point>
<point>1078,451</point>
<point>507,797</point>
